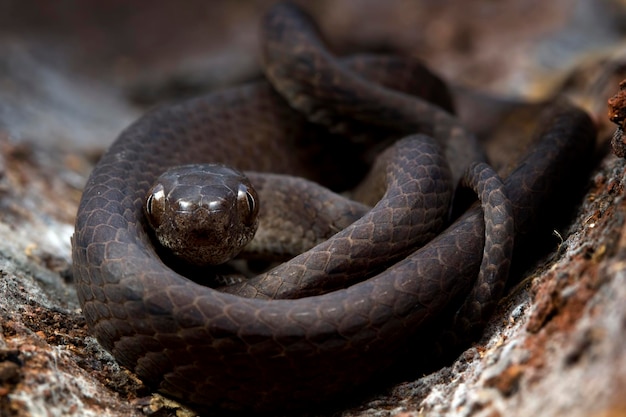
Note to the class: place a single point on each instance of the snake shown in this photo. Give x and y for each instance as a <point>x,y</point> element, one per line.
<point>243,351</point>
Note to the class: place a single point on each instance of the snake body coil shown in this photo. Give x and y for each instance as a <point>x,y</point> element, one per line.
<point>222,350</point>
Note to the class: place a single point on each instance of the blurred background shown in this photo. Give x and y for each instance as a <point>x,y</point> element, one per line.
<point>74,73</point>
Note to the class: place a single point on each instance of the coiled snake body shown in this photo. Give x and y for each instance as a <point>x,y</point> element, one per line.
<point>222,350</point>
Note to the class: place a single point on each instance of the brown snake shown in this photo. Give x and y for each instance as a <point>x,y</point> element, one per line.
<point>222,350</point>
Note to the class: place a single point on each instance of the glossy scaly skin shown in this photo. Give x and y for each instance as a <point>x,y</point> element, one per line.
<point>230,352</point>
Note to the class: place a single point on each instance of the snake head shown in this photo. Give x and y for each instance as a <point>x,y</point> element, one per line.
<point>204,214</point>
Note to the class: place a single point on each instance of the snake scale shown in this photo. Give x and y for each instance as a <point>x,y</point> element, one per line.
<point>226,351</point>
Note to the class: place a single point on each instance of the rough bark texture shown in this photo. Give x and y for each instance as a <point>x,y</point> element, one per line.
<point>74,74</point>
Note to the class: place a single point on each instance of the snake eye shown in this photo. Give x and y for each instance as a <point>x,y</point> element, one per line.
<point>149,203</point>
<point>247,200</point>
<point>154,205</point>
